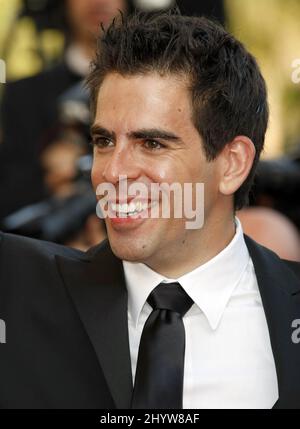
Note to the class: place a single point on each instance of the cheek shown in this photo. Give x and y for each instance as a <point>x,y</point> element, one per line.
<point>167,170</point>
<point>160,173</point>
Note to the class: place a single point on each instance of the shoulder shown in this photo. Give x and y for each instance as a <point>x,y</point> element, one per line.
<point>28,268</point>
<point>14,247</point>
<point>269,264</point>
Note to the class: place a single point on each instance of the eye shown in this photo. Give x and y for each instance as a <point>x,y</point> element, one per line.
<point>101,142</point>
<point>153,145</point>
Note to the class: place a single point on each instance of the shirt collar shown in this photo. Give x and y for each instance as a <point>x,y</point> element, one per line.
<point>140,281</point>
<point>210,286</point>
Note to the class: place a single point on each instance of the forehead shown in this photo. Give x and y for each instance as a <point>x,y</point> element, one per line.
<point>148,99</point>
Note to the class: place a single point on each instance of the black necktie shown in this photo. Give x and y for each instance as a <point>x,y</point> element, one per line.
<point>159,374</point>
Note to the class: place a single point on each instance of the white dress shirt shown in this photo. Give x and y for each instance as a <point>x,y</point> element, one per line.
<point>228,358</point>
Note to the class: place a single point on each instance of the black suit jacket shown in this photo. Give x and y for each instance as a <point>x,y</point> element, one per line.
<point>66,325</point>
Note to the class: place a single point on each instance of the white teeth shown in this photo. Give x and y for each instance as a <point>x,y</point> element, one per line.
<point>131,208</point>
<point>123,208</point>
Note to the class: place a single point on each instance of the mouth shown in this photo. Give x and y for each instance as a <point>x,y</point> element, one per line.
<point>132,209</point>
<point>129,214</point>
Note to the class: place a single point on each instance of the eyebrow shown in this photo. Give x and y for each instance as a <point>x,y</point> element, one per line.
<point>144,133</point>
<point>153,133</point>
<point>98,130</point>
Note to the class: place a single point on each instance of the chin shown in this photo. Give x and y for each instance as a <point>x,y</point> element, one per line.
<point>131,251</point>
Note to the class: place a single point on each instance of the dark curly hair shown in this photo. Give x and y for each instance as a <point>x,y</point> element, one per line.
<point>227,89</point>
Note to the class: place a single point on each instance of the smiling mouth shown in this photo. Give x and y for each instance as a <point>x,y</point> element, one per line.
<point>132,209</point>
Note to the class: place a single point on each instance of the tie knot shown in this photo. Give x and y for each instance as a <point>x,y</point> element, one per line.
<point>170,296</point>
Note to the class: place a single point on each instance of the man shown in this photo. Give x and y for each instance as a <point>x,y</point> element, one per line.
<point>160,315</point>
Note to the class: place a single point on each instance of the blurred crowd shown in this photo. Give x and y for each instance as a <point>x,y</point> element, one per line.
<point>45,156</point>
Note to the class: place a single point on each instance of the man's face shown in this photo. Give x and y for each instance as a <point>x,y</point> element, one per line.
<point>143,129</point>
<point>85,16</point>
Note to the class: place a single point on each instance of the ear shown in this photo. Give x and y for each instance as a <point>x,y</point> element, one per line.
<point>236,162</point>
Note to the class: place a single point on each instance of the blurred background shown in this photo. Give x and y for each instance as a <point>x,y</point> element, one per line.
<point>45,157</point>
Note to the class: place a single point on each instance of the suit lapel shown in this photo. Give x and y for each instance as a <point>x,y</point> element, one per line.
<point>97,287</point>
<point>280,293</point>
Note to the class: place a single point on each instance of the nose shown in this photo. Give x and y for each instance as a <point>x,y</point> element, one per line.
<point>121,162</point>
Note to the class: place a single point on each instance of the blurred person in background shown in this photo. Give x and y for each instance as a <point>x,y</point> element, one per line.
<point>273,218</point>
<point>29,107</point>
<point>273,230</point>
<point>58,161</point>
